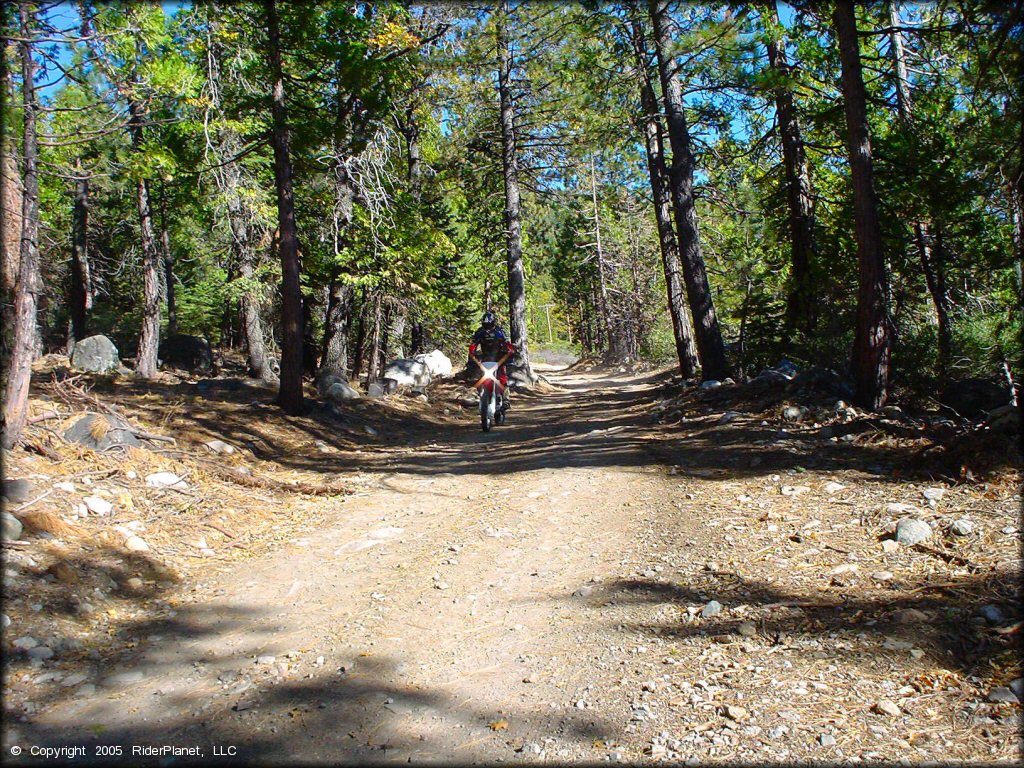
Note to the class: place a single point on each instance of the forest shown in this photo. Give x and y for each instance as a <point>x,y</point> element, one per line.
<point>323,187</point>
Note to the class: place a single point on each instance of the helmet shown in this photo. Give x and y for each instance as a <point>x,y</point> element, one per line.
<point>488,321</point>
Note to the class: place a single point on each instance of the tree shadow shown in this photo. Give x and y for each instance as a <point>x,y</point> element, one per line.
<point>940,619</point>
<point>202,678</point>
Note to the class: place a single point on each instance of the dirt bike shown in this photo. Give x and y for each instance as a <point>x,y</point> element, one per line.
<point>491,394</point>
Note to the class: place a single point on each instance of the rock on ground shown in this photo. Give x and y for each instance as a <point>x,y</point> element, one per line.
<point>95,354</point>
<point>910,531</point>
<point>190,353</point>
<point>101,431</point>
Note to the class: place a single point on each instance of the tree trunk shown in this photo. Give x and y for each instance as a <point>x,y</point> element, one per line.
<point>146,361</point>
<point>873,339</point>
<point>933,265</point>
<point>289,396</point>
<point>510,173</point>
<point>682,329</point>
<point>708,334</point>
<point>168,258</point>
<point>411,131</point>
<point>417,339</point>
<point>357,359</point>
<point>334,356</point>
<point>80,299</point>
<point>29,283</point>
<point>373,354</point>
<point>11,197</point>
<point>606,317</point>
<point>801,309</point>
<point>309,356</point>
<point>396,332</point>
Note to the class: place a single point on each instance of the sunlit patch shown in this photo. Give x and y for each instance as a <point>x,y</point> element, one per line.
<point>488,375</point>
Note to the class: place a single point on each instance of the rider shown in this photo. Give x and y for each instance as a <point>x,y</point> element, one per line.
<point>490,344</point>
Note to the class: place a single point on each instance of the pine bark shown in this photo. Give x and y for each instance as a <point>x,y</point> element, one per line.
<point>146,360</point>
<point>29,282</point>
<point>290,396</point>
<point>168,260</point>
<point>872,346</point>
<point>373,355</point>
<point>334,356</point>
<point>682,328</point>
<point>80,298</point>
<point>513,227</point>
<point>801,309</point>
<point>710,346</point>
<point>612,351</point>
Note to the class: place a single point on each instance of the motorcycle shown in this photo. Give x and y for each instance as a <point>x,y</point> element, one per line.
<point>491,394</point>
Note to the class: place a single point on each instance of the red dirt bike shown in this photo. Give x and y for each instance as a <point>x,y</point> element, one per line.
<point>491,393</point>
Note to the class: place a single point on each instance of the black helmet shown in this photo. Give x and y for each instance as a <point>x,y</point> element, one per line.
<point>488,321</point>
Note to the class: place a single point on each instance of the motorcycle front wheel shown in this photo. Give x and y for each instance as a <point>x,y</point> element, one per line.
<point>485,410</point>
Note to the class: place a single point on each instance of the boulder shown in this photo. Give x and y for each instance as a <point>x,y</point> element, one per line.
<point>821,380</point>
<point>787,368</point>
<point>376,389</point>
<point>972,398</point>
<point>910,531</point>
<point>341,392</point>
<point>324,380</point>
<point>11,527</point>
<point>189,353</point>
<point>1004,419</point>
<point>437,363</point>
<point>101,431</point>
<point>95,354</point>
<point>18,490</point>
<point>408,372</point>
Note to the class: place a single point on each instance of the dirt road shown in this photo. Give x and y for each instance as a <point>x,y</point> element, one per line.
<point>539,592</point>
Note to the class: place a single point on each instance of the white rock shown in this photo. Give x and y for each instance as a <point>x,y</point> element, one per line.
<point>713,608</point>
<point>793,490</point>
<point>134,544</point>
<point>11,527</point>
<point>68,487</point>
<point>342,392</point>
<point>886,707</point>
<point>266,660</point>
<point>98,506</point>
<point>961,527</point>
<point>899,508</point>
<point>219,446</point>
<point>882,575</point>
<point>844,568</point>
<point>833,487</point>
<point>890,545</point>
<point>5,621</point>
<point>933,494</point>
<point>166,480</point>
<point>910,531</point>
<point>73,680</point>
<point>728,417</point>
<point>25,643</point>
<point>436,362</point>
<point>408,372</point>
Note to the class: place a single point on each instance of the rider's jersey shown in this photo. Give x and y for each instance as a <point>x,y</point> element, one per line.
<point>492,343</point>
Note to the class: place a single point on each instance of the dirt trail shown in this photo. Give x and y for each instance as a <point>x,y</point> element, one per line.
<point>539,593</point>
<point>451,596</point>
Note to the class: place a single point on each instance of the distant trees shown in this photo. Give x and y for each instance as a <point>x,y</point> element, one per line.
<point>595,164</point>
